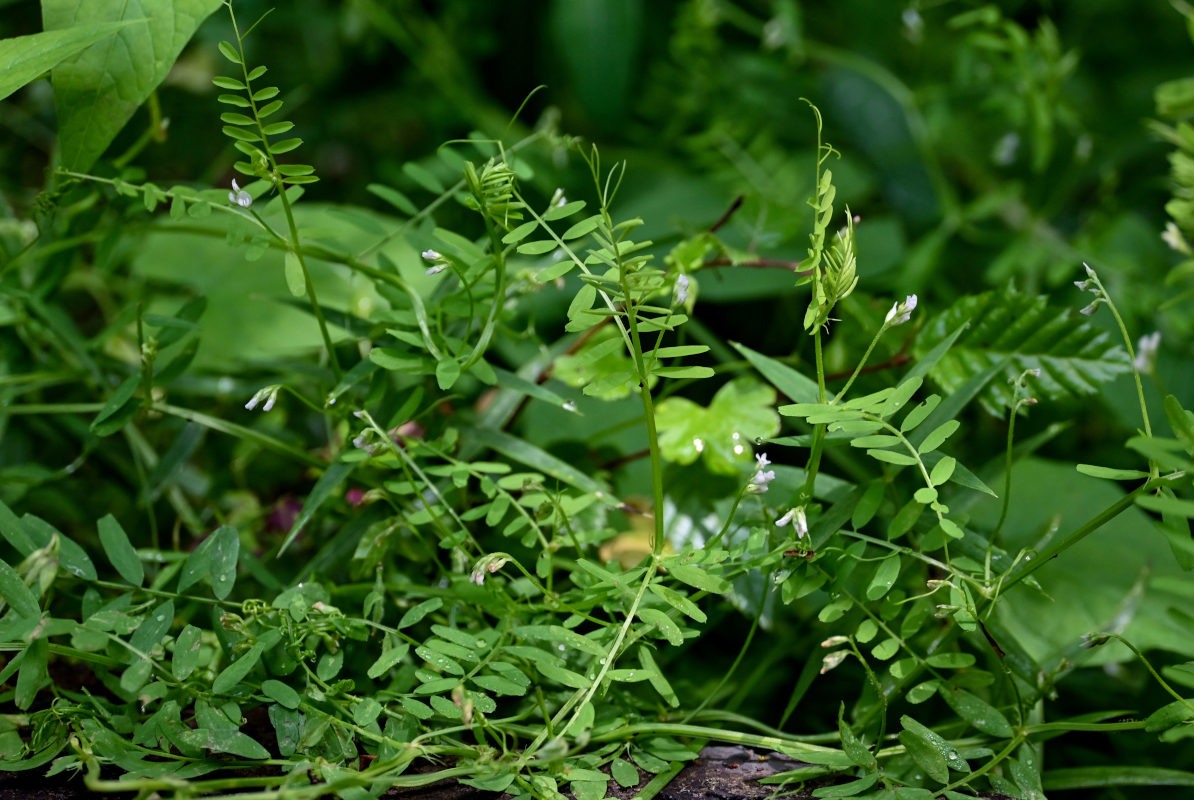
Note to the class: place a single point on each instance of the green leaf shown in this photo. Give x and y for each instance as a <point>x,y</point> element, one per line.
<point>186,652</point>
<point>855,750</point>
<point>424,177</point>
<point>978,712</point>
<point>499,685</point>
<point>232,742</point>
<point>1067,778</point>
<point>582,228</point>
<point>392,196</point>
<point>696,577</point>
<point>537,248</point>
<point>920,413</point>
<point>658,682</point>
<point>97,91</point>
<point>724,433</point>
<point>625,773</point>
<point>942,470</point>
<point>679,602</point>
<point>564,677</point>
<point>388,660</point>
<point>16,593</point>
<point>666,626</point>
<point>447,372</point>
<point>288,727</point>
<point>152,629</point>
<point>1181,421</point>
<point>938,436</point>
<point>930,752</point>
<point>1110,473</point>
<point>120,551</point>
<point>231,676</point>
<point>416,614</point>
<point>892,457</point>
<point>884,577</point>
<point>328,483</point>
<point>796,387</point>
<point>25,58</point>
<point>296,281</point>
<point>526,453</point>
<point>15,531</point>
<point>1075,357</point>
<point>225,548</point>
<point>34,672</point>
<point>521,232</point>
<point>197,566</point>
<point>119,408</point>
<point>281,693</point>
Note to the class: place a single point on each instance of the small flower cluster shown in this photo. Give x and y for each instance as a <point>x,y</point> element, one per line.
<point>799,521</point>
<point>680,292</point>
<point>439,263</point>
<point>1176,241</point>
<point>269,394</point>
<point>1146,352</point>
<point>1092,285</point>
<point>486,566</point>
<point>762,476</point>
<point>901,312</point>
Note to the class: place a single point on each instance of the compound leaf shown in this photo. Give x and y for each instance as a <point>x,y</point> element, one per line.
<point>1074,357</point>
<point>97,90</point>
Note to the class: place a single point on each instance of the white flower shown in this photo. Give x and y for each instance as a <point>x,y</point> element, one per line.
<point>437,269</point>
<point>901,312</point>
<point>762,476</point>
<point>558,200</point>
<point>432,255</point>
<point>681,290</point>
<point>1090,309</point>
<point>758,484</point>
<point>1174,238</point>
<point>269,394</point>
<point>797,518</point>
<point>1146,352</point>
<point>239,196</point>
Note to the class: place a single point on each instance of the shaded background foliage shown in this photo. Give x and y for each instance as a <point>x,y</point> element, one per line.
<point>984,147</point>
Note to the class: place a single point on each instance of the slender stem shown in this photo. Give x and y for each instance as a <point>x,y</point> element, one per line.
<point>279,182</point>
<point>861,363</point>
<point>1147,665</point>
<point>814,458</point>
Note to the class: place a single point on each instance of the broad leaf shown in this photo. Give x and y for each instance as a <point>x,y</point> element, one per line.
<point>724,433</point>
<point>97,91</point>
<point>1074,357</point>
<point>24,58</point>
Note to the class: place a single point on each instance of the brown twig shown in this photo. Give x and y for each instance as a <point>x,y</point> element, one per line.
<point>757,263</point>
<point>724,218</point>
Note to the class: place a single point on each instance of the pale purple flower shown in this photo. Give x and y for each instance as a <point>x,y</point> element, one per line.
<point>239,196</point>
<point>901,312</point>
<point>681,290</point>
<point>798,519</point>
<point>1146,352</point>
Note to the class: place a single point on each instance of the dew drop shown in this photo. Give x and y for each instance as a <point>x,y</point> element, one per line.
<point>698,444</point>
<point>602,661</point>
<point>561,648</point>
<point>480,643</point>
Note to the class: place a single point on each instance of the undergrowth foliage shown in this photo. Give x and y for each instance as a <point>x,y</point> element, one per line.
<point>440,594</point>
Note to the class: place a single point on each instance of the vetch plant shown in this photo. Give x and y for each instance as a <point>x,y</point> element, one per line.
<point>517,522</point>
